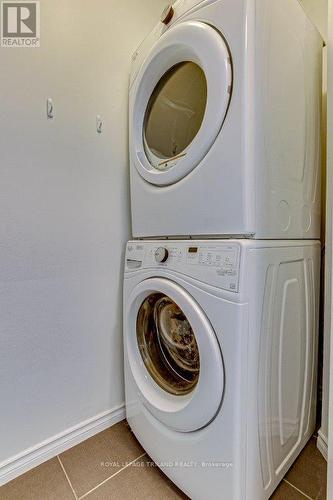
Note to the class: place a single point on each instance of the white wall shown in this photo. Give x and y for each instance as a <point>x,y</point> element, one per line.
<point>64,206</point>
<point>329,241</point>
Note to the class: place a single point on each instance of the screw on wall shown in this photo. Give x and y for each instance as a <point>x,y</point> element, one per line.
<point>49,108</point>
<point>99,124</point>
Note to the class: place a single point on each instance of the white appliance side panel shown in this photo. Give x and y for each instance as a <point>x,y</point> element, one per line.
<point>290,337</point>
<point>287,123</point>
<point>284,285</point>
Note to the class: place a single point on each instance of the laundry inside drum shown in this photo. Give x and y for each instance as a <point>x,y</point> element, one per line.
<point>168,345</point>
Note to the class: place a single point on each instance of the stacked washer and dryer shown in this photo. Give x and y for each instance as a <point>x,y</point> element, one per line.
<point>221,285</point>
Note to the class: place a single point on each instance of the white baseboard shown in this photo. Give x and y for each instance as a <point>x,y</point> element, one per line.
<point>322,444</point>
<point>50,448</point>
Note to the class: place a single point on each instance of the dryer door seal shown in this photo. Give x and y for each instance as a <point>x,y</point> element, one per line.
<point>174,355</point>
<point>179,102</point>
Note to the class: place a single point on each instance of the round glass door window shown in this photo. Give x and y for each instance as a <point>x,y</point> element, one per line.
<point>168,345</point>
<point>175,113</point>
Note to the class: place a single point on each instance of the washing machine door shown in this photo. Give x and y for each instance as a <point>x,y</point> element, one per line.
<point>179,102</point>
<point>174,355</point>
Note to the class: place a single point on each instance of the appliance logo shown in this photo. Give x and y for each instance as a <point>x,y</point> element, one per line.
<point>20,24</point>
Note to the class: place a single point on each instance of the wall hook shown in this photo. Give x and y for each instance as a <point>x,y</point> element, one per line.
<point>49,108</point>
<point>99,124</point>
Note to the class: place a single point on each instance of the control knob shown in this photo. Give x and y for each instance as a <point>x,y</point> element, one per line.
<point>161,254</point>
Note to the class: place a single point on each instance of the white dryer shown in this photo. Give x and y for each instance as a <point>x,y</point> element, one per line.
<point>220,343</point>
<point>224,122</point>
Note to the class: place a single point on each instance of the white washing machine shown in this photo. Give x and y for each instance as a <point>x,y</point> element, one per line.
<point>220,345</point>
<point>224,122</point>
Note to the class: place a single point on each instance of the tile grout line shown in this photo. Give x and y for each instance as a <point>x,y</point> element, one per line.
<point>69,481</point>
<point>113,475</point>
<point>297,489</point>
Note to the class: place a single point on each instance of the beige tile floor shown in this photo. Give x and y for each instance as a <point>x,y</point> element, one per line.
<point>113,466</point>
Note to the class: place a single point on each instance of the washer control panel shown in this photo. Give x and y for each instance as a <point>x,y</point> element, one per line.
<point>216,257</point>
<point>213,263</point>
<point>217,261</point>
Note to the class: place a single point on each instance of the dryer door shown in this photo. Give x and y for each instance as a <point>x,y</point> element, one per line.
<point>173,355</point>
<point>179,102</point>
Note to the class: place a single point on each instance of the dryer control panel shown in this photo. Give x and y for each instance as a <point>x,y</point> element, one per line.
<point>213,263</point>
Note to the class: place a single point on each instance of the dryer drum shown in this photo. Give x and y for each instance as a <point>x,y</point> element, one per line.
<point>167,345</point>
<point>175,112</point>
